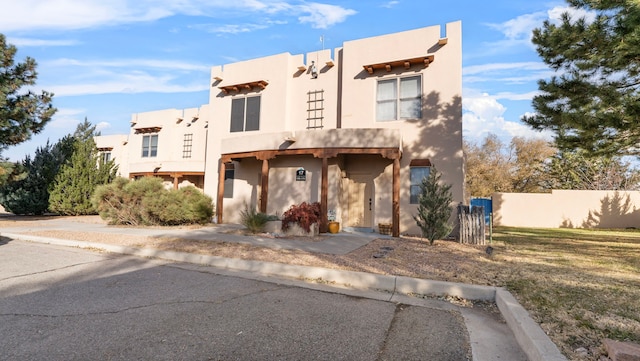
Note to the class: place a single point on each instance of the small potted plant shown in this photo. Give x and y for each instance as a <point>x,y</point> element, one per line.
<point>334,227</point>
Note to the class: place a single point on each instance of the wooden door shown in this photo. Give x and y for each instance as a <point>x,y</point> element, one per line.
<point>360,201</point>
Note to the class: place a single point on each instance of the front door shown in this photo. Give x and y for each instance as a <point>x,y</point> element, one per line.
<point>360,200</point>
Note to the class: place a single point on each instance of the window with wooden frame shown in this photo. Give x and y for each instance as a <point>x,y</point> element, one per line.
<point>245,114</point>
<point>105,157</point>
<point>229,176</point>
<point>419,169</point>
<point>399,98</point>
<point>149,146</point>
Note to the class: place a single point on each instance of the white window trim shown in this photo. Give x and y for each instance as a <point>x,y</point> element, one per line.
<point>398,98</point>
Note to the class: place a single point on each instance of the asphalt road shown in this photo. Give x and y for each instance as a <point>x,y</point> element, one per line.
<point>61,303</point>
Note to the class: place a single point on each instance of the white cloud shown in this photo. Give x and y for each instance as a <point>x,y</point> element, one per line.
<point>322,16</point>
<point>483,114</point>
<point>230,28</point>
<point>390,4</point>
<point>493,67</point>
<point>128,63</point>
<point>65,119</point>
<point>24,42</point>
<point>516,96</point>
<point>69,14</point>
<point>506,73</point>
<point>520,28</point>
<point>134,82</point>
<point>102,126</point>
<point>81,77</point>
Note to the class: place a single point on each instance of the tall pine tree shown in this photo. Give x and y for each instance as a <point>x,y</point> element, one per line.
<point>22,112</point>
<point>593,103</point>
<point>78,178</point>
<point>434,207</point>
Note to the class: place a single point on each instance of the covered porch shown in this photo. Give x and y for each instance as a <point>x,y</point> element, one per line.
<point>268,149</point>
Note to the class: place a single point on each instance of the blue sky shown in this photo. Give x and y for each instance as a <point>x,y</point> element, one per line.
<point>105,60</point>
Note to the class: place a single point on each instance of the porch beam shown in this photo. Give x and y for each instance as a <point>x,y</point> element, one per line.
<point>389,153</point>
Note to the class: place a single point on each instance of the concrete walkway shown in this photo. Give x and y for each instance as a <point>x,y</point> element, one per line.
<point>339,243</point>
<point>520,338</point>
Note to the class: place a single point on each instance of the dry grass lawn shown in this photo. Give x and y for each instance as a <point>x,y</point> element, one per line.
<point>581,286</point>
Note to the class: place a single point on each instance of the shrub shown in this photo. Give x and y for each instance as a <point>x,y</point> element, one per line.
<point>121,202</point>
<point>253,220</point>
<point>183,206</point>
<point>304,214</point>
<point>434,208</point>
<point>146,202</point>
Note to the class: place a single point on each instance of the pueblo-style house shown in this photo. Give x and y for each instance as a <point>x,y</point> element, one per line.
<point>354,128</point>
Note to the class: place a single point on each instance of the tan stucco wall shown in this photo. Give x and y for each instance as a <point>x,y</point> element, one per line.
<point>567,208</point>
<point>170,140</point>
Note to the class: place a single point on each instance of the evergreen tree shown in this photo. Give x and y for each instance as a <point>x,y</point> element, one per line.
<point>78,178</point>
<point>27,190</point>
<point>575,170</point>
<point>594,102</point>
<point>22,112</point>
<point>434,208</point>
<point>6,170</point>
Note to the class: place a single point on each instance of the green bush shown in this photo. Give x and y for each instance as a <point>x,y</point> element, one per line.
<point>305,214</point>
<point>146,202</point>
<point>253,220</point>
<point>183,206</point>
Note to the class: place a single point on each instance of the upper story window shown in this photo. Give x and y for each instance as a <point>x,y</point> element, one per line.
<point>245,114</point>
<point>187,145</point>
<point>149,146</point>
<point>105,157</point>
<point>399,98</point>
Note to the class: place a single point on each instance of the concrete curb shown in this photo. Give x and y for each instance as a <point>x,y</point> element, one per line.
<point>530,337</point>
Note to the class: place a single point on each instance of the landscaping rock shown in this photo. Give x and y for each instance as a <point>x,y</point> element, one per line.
<point>582,352</point>
<point>383,252</point>
<point>622,351</point>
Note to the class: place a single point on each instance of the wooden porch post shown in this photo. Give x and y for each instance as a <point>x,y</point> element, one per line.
<point>395,222</point>
<point>324,196</point>
<point>264,186</point>
<point>175,180</point>
<point>220,191</point>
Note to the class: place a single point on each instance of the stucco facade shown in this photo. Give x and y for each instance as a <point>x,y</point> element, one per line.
<point>346,127</point>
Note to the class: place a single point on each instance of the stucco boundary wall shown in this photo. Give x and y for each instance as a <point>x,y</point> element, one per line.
<point>567,209</point>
